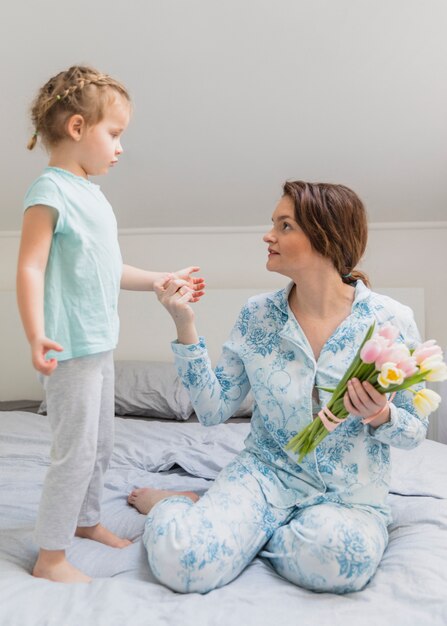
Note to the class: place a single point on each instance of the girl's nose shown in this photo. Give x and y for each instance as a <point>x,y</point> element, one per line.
<point>119,148</point>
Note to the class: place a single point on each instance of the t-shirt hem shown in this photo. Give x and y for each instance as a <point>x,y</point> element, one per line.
<point>65,356</point>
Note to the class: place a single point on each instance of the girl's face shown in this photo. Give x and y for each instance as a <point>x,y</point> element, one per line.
<point>100,145</point>
<point>289,249</point>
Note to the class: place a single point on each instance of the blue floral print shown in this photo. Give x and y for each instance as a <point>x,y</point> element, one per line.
<point>321,523</point>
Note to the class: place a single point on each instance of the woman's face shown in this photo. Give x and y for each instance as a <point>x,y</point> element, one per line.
<point>289,249</point>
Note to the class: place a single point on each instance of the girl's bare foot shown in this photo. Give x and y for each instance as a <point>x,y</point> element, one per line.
<point>52,565</point>
<point>144,499</point>
<point>103,535</point>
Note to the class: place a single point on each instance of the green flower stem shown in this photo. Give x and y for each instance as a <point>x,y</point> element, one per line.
<point>306,434</point>
<point>308,446</point>
<point>362,371</point>
<point>356,361</point>
<point>320,438</point>
<point>408,382</point>
<point>312,445</point>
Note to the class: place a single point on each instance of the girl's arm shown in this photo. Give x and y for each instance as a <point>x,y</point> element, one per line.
<point>135,279</point>
<point>35,243</point>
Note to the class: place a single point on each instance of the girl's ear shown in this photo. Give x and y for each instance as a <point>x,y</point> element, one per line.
<point>76,126</point>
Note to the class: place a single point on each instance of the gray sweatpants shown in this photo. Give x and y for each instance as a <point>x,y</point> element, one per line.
<point>80,407</point>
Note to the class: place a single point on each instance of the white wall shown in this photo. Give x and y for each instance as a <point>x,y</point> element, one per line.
<point>407,254</point>
<point>231,98</point>
<point>398,255</point>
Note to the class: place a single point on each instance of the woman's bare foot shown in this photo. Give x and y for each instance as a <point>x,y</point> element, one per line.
<point>144,499</point>
<point>52,565</point>
<point>103,535</point>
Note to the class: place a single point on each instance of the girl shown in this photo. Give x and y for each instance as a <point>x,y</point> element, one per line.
<point>69,274</point>
<point>321,523</point>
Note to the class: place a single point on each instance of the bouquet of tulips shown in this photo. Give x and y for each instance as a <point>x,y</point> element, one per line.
<point>389,367</point>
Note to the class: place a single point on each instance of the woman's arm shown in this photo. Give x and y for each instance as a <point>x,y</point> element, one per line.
<point>35,244</point>
<point>404,429</point>
<point>215,395</point>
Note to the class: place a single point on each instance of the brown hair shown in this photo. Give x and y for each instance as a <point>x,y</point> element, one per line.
<point>79,90</point>
<point>334,219</point>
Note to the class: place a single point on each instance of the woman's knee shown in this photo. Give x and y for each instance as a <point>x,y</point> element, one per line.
<point>180,555</point>
<point>183,568</point>
<point>329,551</point>
<point>326,580</point>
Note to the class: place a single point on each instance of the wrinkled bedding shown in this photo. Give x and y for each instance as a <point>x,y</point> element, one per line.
<point>410,587</point>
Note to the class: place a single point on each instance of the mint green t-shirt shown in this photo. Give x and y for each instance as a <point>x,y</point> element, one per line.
<point>83,274</point>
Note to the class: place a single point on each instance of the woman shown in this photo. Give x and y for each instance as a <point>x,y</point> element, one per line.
<point>321,523</point>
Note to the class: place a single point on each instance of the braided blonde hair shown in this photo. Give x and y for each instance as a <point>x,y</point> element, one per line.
<point>79,90</point>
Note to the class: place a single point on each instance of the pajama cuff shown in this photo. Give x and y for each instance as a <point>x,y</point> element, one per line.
<point>385,432</point>
<point>189,351</point>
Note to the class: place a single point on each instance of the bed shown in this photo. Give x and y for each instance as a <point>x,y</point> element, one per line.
<point>160,443</point>
<point>409,587</point>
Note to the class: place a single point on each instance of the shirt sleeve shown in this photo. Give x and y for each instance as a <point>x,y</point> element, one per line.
<point>215,394</point>
<point>405,429</point>
<point>46,192</point>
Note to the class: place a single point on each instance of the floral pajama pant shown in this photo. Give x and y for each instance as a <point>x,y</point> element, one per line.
<point>199,547</point>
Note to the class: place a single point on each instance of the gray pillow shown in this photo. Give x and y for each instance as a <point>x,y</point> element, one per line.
<point>150,388</point>
<point>154,389</point>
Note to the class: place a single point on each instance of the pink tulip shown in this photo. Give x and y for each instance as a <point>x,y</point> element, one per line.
<point>372,350</point>
<point>408,366</point>
<point>389,332</point>
<point>426,350</point>
<point>393,354</point>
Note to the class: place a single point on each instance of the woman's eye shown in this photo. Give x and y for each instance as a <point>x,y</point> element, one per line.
<point>285,226</point>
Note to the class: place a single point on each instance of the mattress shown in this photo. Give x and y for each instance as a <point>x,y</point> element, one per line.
<point>409,588</point>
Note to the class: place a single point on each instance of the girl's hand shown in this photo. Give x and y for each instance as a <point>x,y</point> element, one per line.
<point>364,400</point>
<point>39,348</point>
<point>195,283</point>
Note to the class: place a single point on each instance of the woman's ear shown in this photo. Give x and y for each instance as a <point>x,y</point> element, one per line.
<point>75,126</point>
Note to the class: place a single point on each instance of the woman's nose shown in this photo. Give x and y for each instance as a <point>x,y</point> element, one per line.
<point>119,148</point>
<point>268,236</point>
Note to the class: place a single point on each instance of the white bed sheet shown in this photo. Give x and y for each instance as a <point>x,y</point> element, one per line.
<point>410,587</point>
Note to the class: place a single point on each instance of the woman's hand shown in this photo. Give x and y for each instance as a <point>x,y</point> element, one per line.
<point>364,400</point>
<point>196,283</point>
<point>176,295</point>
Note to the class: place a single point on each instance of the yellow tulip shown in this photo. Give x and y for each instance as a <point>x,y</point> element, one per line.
<point>426,401</point>
<point>436,367</point>
<point>390,375</point>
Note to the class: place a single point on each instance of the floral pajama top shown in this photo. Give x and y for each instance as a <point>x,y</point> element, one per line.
<point>268,353</point>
